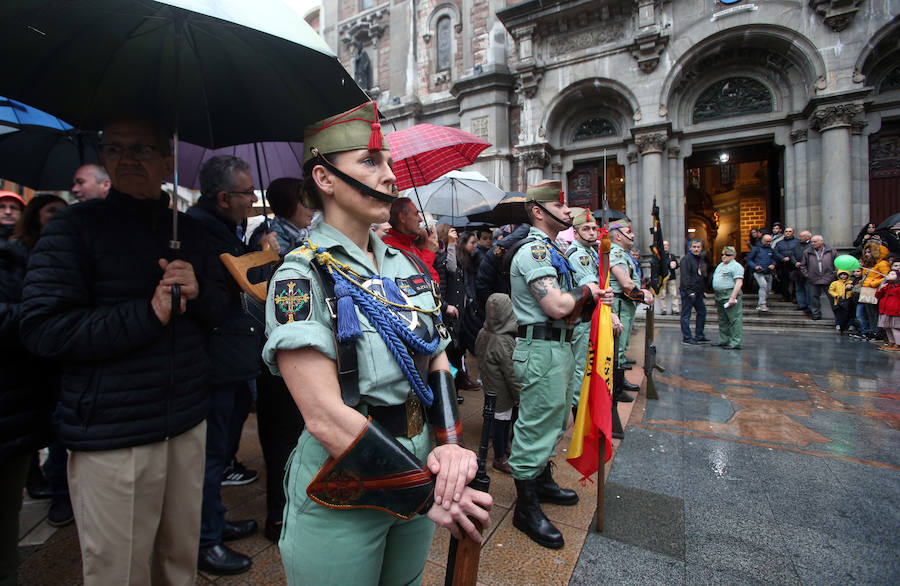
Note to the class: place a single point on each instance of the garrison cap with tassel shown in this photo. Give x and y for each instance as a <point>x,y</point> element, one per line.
<point>354,129</point>
<point>581,216</point>
<point>545,191</point>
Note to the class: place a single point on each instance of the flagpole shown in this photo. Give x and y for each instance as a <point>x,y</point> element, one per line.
<point>601,469</point>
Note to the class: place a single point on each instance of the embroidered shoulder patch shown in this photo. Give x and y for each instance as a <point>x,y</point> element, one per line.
<point>292,299</point>
<point>414,285</point>
<point>585,261</point>
<point>538,252</point>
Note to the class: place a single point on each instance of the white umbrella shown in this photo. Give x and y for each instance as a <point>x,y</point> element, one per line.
<point>458,194</point>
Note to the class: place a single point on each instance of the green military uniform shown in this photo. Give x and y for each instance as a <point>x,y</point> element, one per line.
<point>316,540</point>
<point>315,536</point>
<point>544,367</point>
<point>622,306</point>
<point>585,261</point>
<point>731,326</point>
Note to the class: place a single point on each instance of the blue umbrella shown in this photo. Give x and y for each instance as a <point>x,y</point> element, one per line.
<point>38,149</point>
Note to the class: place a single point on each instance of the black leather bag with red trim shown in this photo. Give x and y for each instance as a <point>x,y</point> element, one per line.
<point>376,472</point>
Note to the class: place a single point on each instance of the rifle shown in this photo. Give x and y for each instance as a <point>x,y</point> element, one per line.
<point>462,559</point>
<point>650,355</point>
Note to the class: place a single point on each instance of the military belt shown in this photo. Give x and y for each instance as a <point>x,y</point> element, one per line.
<point>406,420</point>
<point>545,332</point>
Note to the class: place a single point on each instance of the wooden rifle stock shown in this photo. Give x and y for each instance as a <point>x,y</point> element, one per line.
<point>239,265</point>
<point>462,559</point>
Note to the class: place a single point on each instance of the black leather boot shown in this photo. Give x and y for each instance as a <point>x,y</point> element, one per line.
<point>530,519</point>
<point>550,492</point>
<point>222,561</point>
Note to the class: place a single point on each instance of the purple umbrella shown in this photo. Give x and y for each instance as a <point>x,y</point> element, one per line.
<point>268,161</point>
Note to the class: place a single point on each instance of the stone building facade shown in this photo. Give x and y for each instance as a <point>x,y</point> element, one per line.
<point>729,113</point>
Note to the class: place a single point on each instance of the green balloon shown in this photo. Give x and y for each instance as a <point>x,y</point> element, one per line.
<point>845,262</point>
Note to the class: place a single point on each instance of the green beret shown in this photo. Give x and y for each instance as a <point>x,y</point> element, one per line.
<point>349,131</point>
<point>581,216</point>
<point>545,191</point>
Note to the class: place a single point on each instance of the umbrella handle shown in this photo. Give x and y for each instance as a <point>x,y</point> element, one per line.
<point>176,301</point>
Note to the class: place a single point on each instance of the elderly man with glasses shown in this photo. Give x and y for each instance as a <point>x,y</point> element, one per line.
<point>134,394</point>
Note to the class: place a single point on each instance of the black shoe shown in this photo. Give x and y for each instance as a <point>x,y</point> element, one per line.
<point>238,529</point>
<point>236,474</point>
<point>60,513</point>
<point>623,397</point>
<point>630,361</point>
<point>816,317</point>
<point>676,313</point>
<point>627,386</point>
<point>731,347</point>
<point>550,492</point>
<point>273,529</point>
<point>663,312</point>
<point>530,519</point>
<point>690,341</point>
<point>702,340</point>
<point>222,560</point>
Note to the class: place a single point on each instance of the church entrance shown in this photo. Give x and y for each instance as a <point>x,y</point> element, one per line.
<point>731,189</point>
<point>588,180</point>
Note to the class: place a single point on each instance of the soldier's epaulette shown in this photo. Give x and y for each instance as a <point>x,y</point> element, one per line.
<point>303,251</point>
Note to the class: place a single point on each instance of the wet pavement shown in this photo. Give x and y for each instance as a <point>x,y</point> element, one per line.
<point>776,464</point>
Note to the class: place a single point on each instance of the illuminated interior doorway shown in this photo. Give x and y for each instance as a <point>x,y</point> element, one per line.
<point>586,183</point>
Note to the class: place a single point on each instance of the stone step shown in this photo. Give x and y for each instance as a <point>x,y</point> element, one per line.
<point>782,317</point>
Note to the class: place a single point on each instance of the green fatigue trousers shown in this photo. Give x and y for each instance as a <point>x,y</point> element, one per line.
<point>544,368</point>
<point>580,340</point>
<point>320,545</point>
<point>731,325</point>
<point>624,308</point>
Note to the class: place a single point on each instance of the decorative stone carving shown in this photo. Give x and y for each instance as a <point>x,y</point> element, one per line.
<point>673,152</point>
<point>838,13</point>
<point>556,167</point>
<point>534,156</point>
<point>480,127</point>
<point>829,117</point>
<point>798,135</point>
<point>366,28</point>
<point>650,39</point>
<point>857,126</point>
<point>655,142</point>
<point>528,71</point>
<point>735,96</point>
<point>579,40</point>
<point>632,157</point>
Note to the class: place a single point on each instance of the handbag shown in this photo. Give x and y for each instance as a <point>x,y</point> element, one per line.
<point>867,295</point>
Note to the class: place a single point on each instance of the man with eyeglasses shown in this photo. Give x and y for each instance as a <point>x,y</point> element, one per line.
<point>134,390</point>
<point>226,201</point>
<point>728,279</point>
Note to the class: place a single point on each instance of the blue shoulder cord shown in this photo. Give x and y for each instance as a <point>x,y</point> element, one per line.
<point>560,263</point>
<point>390,327</point>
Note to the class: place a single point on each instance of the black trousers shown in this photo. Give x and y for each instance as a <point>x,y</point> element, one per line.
<point>280,425</point>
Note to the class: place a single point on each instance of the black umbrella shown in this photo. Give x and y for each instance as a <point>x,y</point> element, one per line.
<point>889,222</point>
<point>611,215</point>
<point>46,158</point>
<point>510,210</point>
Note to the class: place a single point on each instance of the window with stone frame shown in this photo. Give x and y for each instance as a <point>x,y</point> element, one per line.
<point>891,81</point>
<point>444,48</point>
<point>364,4</point>
<point>734,96</point>
<point>595,127</point>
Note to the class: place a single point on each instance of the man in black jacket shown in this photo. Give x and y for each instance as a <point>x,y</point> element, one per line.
<point>693,288</point>
<point>134,395</point>
<point>226,199</point>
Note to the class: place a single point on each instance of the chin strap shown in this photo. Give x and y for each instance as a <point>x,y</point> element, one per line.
<point>354,183</point>
<point>546,211</point>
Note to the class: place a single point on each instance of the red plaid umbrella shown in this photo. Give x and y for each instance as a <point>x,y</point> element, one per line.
<point>424,152</point>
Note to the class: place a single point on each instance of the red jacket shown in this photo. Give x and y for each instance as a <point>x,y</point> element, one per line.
<point>404,242</point>
<point>889,299</point>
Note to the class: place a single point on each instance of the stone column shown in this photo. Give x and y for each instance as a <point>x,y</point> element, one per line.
<point>632,185</point>
<point>671,207</point>
<point>651,147</point>
<point>833,123</point>
<point>859,146</point>
<point>801,182</point>
<point>535,158</point>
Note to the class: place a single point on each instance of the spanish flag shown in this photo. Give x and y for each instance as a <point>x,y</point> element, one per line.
<point>594,419</point>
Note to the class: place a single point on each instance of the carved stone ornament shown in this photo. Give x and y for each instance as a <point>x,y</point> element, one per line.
<point>632,157</point>
<point>572,41</point>
<point>674,151</point>
<point>647,48</point>
<point>799,135</point>
<point>556,167</point>
<point>651,143</point>
<point>857,126</point>
<point>534,156</point>
<point>366,28</point>
<point>829,117</point>
<point>838,13</point>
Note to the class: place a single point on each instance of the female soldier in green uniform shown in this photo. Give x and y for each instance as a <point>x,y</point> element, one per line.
<point>354,328</point>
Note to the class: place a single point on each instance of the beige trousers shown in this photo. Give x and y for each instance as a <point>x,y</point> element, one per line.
<point>670,292</point>
<point>138,511</point>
